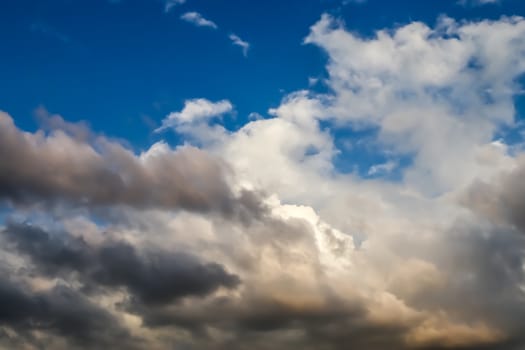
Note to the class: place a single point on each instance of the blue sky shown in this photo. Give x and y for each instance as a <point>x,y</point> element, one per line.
<point>118,63</point>
<point>313,174</point>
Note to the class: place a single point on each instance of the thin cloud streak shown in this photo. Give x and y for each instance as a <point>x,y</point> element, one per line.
<point>196,19</point>
<point>244,45</point>
<point>171,4</point>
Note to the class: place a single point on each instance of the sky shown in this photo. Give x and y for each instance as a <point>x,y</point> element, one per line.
<point>314,174</point>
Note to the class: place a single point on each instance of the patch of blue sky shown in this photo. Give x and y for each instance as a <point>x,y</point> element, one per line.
<point>359,153</point>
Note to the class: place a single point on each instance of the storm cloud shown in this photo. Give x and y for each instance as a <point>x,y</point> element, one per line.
<point>154,276</point>
<point>60,310</point>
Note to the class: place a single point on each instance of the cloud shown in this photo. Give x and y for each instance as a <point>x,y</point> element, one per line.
<point>382,168</point>
<point>61,311</point>
<point>439,98</point>
<point>170,4</point>
<point>501,198</point>
<point>346,2</point>
<point>153,277</point>
<point>197,19</point>
<point>257,239</point>
<point>196,111</point>
<point>477,2</point>
<point>244,45</point>
<point>58,166</point>
<point>429,99</point>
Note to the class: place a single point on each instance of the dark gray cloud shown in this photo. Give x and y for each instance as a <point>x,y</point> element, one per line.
<point>65,165</point>
<point>152,277</point>
<point>61,311</point>
<point>261,323</point>
<point>161,277</point>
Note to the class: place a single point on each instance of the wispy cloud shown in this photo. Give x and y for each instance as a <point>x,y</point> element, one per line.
<point>477,2</point>
<point>244,45</point>
<point>170,4</point>
<point>346,2</point>
<point>196,18</point>
<point>383,168</point>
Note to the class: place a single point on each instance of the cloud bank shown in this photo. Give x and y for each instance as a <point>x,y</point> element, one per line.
<point>254,239</point>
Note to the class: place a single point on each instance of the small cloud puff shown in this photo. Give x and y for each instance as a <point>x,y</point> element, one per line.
<point>195,110</point>
<point>196,19</point>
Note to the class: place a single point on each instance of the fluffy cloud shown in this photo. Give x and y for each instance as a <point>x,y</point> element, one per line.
<point>195,111</point>
<point>197,19</point>
<point>256,240</point>
<point>437,94</point>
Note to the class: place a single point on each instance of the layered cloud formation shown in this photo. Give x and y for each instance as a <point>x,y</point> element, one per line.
<point>255,238</point>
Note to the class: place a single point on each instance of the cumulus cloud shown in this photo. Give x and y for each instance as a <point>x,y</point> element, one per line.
<point>438,94</point>
<point>244,45</point>
<point>300,255</point>
<point>196,18</point>
<point>195,111</point>
<point>57,166</point>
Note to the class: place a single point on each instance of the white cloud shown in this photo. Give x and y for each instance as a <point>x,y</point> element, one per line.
<point>383,168</point>
<point>196,111</point>
<point>244,45</point>
<point>440,99</point>
<point>170,4</point>
<point>312,81</point>
<point>255,116</point>
<point>197,19</point>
